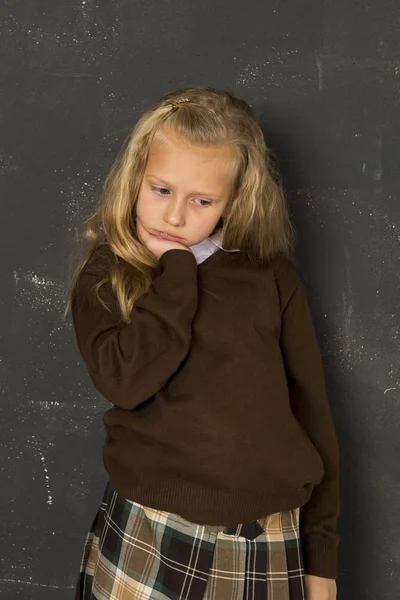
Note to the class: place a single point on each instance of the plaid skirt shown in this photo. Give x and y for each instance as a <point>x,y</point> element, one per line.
<point>133,552</point>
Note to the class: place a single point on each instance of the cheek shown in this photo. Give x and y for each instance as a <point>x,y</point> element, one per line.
<point>144,205</point>
<point>206,222</point>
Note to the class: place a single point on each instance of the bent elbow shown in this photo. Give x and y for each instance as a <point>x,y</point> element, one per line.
<point>118,393</point>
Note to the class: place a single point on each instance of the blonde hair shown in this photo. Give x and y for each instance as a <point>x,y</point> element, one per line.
<point>258,222</point>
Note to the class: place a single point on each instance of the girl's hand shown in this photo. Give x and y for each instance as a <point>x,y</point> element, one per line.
<point>155,244</point>
<point>320,588</point>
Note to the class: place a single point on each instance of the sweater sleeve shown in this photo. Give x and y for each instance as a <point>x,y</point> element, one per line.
<point>309,403</point>
<point>129,362</point>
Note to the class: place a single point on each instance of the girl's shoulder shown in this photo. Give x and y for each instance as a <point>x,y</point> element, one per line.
<point>93,282</point>
<point>97,268</point>
<point>285,268</point>
<point>98,264</point>
<point>287,277</point>
<point>100,256</point>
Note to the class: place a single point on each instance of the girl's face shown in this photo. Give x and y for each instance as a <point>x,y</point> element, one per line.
<point>186,189</point>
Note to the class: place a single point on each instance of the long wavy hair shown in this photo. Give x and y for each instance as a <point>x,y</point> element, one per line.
<point>257,223</point>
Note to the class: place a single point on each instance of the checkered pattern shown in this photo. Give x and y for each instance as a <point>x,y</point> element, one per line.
<point>133,552</point>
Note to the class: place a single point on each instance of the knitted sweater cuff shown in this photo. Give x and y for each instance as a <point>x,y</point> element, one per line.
<point>180,263</point>
<point>320,556</point>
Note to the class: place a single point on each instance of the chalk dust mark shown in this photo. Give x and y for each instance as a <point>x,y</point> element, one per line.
<point>334,61</point>
<point>48,404</point>
<point>320,72</point>
<point>36,584</point>
<point>378,172</point>
<point>49,496</point>
<point>6,165</point>
<point>87,31</point>
<point>390,389</point>
<point>270,70</point>
<point>66,74</point>
<point>79,194</point>
<point>37,291</point>
<point>392,228</point>
<point>32,442</point>
<point>353,345</point>
<point>347,304</point>
<point>249,75</point>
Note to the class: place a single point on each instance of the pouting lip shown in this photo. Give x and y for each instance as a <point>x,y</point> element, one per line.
<point>176,237</point>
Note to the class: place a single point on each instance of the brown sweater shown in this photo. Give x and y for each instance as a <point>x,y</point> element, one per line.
<point>220,412</point>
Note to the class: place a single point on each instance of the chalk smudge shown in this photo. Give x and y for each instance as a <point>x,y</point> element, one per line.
<point>268,71</point>
<point>33,443</point>
<point>391,388</point>
<point>6,165</point>
<point>80,195</point>
<point>36,584</point>
<point>366,341</point>
<point>37,291</point>
<point>330,61</point>
<point>347,304</point>
<point>320,71</point>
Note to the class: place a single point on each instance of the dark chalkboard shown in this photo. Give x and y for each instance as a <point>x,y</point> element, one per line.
<point>324,79</point>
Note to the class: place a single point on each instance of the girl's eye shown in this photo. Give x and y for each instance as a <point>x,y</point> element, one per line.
<point>206,201</point>
<point>161,190</point>
<point>157,189</point>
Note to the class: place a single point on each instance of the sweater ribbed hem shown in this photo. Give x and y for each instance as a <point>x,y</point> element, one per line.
<point>320,555</point>
<point>205,506</point>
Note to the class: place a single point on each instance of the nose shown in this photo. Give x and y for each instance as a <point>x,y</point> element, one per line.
<point>175,213</point>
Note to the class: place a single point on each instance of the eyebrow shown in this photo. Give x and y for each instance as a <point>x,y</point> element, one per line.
<point>168,185</point>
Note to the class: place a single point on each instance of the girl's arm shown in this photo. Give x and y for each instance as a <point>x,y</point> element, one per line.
<point>309,403</point>
<point>129,362</point>
<point>320,588</point>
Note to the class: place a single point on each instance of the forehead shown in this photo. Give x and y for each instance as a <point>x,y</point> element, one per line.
<point>170,152</point>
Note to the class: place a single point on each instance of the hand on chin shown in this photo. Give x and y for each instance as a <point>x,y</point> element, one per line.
<point>157,245</point>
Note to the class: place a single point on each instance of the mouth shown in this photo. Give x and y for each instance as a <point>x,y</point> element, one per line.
<point>168,236</point>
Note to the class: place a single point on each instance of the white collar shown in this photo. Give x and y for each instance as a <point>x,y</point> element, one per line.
<point>204,249</point>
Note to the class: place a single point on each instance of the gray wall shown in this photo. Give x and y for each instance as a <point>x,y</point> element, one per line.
<point>324,79</point>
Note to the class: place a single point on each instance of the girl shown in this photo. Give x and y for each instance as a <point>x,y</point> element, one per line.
<point>192,321</point>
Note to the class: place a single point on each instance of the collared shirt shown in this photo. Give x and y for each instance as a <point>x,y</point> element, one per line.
<point>204,249</point>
